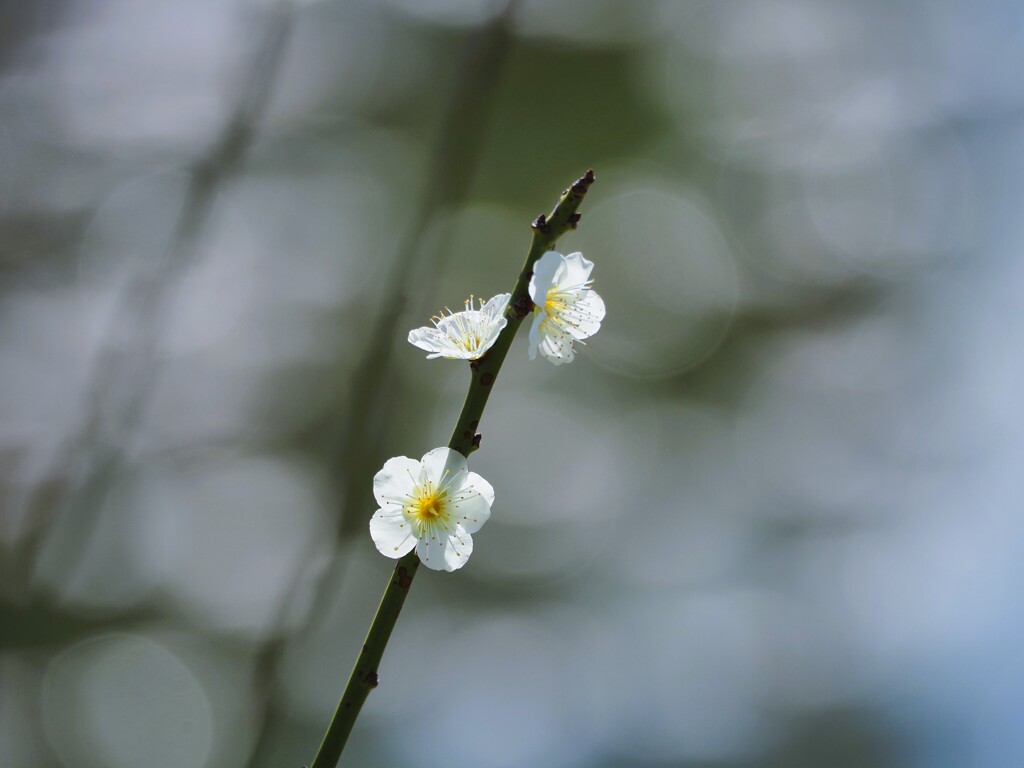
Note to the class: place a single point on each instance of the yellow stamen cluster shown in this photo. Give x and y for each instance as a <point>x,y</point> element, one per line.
<point>555,303</point>
<point>428,504</point>
<point>464,329</point>
<point>428,509</point>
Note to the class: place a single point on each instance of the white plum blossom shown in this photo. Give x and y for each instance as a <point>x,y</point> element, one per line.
<point>463,335</point>
<point>566,310</point>
<point>432,505</point>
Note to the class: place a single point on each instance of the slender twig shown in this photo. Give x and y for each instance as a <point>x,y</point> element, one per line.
<point>453,167</point>
<point>454,160</point>
<point>465,439</point>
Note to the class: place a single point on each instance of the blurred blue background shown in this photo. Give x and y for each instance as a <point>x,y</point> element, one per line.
<point>770,517</point>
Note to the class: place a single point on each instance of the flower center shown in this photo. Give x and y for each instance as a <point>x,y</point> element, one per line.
<point>465,329</point>
<point>428,504</point>
<point>428,509</point>
<point>470,341</point>
<point>555,304</point>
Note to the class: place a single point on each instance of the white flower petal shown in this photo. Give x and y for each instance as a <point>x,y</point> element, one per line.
<point>544,270</point>
<point>496,306</point>
<point>472,508</point>
<point>474,482</point>
<point>433,341</point>
<point>391,532</point>
<point>443,465</point>
<point>576,272</point>
<point>460,547</point>
<point>556,345</point>
<point>396,480</point>
<point>535,334</point>
<point>431,551</point>
<point>583,318</point>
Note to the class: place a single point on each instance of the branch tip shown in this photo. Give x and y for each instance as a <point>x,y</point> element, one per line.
<point>582,184</point>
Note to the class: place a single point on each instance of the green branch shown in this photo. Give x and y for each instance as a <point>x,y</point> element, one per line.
<point>465,439</point>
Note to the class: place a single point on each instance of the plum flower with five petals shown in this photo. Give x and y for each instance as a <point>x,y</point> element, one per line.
<point>566,310</point>
<point>463,335</point>
<point>433,505</point>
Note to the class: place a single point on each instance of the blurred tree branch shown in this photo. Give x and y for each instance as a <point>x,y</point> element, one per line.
<point>73,489</point>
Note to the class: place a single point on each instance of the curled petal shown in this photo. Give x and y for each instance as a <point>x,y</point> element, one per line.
<point>496,306</point>
<point>544,270</point>
<point>535,334</point>
<point>576,271</point>
<point>430,340</point>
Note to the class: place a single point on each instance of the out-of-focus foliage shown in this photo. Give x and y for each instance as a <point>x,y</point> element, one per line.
<point>770,516</point>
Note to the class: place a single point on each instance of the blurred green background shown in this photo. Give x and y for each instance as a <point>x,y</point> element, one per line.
<point>771,516</point>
